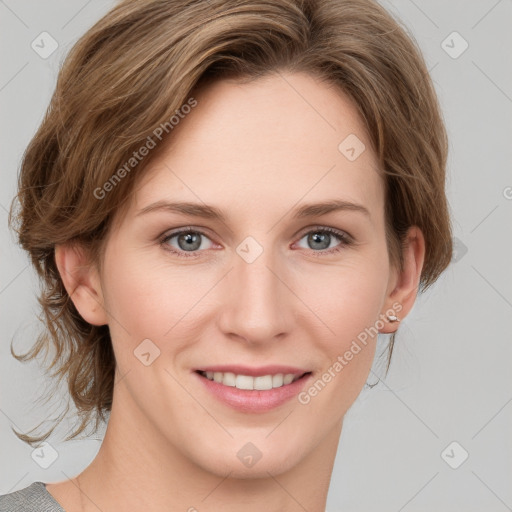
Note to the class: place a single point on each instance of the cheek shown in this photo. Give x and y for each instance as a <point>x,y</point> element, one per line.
<point>347,298</point>
<point>351,310</point>
<point>134,299</point>
<point>348,302</point>
<point>157,302</point>
<point>136,302</point>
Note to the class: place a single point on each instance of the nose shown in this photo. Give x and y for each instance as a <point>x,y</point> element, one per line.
<point>257,304</point>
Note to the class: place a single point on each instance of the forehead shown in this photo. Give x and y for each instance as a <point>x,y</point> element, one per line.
<point>272,141</point>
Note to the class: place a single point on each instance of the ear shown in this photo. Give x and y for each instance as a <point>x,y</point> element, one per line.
<point>82,282</point>
<point>404,285</point>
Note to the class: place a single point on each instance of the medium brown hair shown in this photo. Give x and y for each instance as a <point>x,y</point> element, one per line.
<point>137,67</point>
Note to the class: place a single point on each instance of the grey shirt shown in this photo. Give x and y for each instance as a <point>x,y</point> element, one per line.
<point>34,498</point>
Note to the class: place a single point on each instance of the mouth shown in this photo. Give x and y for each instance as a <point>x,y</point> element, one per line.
<point>253,390</point>
<point>249,382</point>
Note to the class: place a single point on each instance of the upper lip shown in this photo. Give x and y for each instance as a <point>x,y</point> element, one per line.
<point>253,371</point>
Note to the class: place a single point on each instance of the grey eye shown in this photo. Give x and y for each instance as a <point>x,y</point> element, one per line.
<point>321,239</point>
<point>187,241</point>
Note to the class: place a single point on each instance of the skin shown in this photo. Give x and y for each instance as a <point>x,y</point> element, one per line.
<point>256,151</point>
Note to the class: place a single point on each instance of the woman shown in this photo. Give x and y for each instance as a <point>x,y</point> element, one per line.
<point>227,202</point>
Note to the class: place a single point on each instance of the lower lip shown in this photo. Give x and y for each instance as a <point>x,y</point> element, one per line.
<point>254,400</point>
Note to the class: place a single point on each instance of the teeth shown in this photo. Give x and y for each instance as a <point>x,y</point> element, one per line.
<point>229,379</point>
<point>244,382</point>
<point>277,380</point>
<point>288,378</point>
<point>261,383</point>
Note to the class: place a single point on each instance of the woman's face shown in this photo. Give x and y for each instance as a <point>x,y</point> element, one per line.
<point>266,286</point>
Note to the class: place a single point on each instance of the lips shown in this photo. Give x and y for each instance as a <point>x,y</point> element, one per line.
<point>251,389</point>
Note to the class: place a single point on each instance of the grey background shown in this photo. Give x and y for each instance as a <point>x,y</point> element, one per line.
<point>450,379</point>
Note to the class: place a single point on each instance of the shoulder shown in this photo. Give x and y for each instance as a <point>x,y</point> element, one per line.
<point>33,498</point>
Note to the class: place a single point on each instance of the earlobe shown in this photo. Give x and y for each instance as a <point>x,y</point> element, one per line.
<point>82,282</point>
<point>401,298</point>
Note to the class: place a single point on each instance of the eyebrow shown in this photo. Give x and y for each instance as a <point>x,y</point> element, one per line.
<point>211,212</point>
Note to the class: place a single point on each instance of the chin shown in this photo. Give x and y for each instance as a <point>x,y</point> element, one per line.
<point>247,461</point>
<point>260,469</point>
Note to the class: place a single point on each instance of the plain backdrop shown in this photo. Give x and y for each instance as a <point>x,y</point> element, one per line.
<point>435,434</point>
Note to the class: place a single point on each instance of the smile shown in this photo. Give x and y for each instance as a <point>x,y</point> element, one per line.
<point>253,390</point>
<point>260,383</point>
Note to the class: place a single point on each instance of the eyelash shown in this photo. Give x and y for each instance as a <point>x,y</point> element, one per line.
<point>345,239</point>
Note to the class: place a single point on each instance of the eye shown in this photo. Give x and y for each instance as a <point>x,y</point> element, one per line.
<point>187,240</point>
<point>321,240</point>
